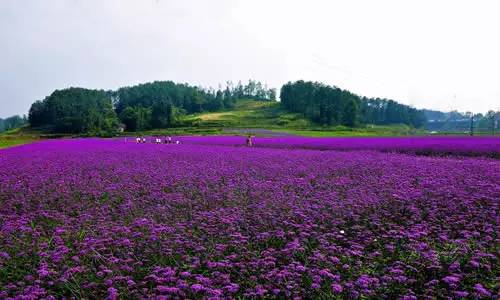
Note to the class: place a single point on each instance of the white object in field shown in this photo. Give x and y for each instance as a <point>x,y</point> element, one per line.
<point>342,232</point>
<point>138,140</point>
<point>143,140</point>
<point>177,142</point>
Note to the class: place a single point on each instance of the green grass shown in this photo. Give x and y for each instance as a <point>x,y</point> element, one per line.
<point>265,118</point>
<point>16,137</point>
<point>248,114</point>
<point>176,131</point>
<point>372,130</point>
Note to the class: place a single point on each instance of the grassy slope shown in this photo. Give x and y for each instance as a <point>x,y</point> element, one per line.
<point>270,115</point>
<point>16,137</point>
<point>249,114</point>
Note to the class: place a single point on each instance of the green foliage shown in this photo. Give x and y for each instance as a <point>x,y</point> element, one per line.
<point>15,137</point>
<point>168,101</point>
<point>329,105</point>
<point>350,116</point>
<point>137,118</point>
<point>76,110</point>
<point>371,130</point>
<point>143,118</point>
<point>246,113</point>
<point>4,143</point>
<point>456,122</point>
<point>129,117</point>
<point>12,123</point>
<point>159,95</point>
<point>38,114</point>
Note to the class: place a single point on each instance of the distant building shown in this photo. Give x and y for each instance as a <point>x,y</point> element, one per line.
<point>121,128</point>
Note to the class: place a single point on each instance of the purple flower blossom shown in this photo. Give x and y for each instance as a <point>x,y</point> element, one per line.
<point>208,218</point>
<point>481,290</point>
<point>197,288</point>
<point>130,282</point>
<point>232,288</point>
<point>112,293</point>
<point>4,255</point>
<point>167,289</point>
<point>460,294</point>
<point>336,288</point>
<point>452,279</point>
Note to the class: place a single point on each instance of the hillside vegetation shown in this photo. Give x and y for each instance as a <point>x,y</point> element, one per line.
<point>12,122</point>
<point>165,107</point>
<point>17,136</point>
<point>248,113</point>
<point>269,118</point>
<point>168,105</point>
<point>147,106</point>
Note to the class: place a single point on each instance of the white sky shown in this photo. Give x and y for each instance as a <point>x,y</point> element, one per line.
<point>440,54</point>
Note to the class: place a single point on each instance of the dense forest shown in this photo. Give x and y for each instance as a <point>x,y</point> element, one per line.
<point>160,104</point>
<point>12,122</point>
<point>75,110</point>
<point>330,105</point>
<point>140,107</point>
<point>157,104</point>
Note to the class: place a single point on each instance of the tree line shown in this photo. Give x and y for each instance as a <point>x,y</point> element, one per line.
<point>140,107</point>
<point>75,110</point>
<point>157,104</point>
<point>12,122</point>
<point>455,121</point>
<point>330,105</point>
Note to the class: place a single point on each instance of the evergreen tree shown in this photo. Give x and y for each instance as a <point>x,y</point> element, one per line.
<point>329,105</point>
<point>350,115</point>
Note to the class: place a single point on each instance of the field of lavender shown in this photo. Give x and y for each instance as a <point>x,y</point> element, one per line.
<point>383,218</point>
<point>424,145</point>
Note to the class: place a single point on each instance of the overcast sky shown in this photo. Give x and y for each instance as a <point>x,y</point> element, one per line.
<point>438,54</point>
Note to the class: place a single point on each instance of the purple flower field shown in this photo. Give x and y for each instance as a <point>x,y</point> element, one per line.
<point>439,146</point>
<point>90,218</point>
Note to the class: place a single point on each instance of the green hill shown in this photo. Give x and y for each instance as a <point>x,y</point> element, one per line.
<point>248,113</point>
<point>269,118</point>
<point>246,117</point>
<point>16,137</point>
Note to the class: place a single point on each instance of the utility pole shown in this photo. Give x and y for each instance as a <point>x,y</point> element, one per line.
<point>471,124</point>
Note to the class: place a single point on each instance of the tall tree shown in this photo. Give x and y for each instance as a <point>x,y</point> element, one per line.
<point>161,114</point>
<point>350,115</point>
<point>329,105</point>
<point>75,110</point>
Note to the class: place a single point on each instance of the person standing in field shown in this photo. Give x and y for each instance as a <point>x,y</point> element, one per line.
<point>249,141</point>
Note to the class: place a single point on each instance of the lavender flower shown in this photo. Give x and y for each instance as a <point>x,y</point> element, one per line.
<point>362,218</point>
